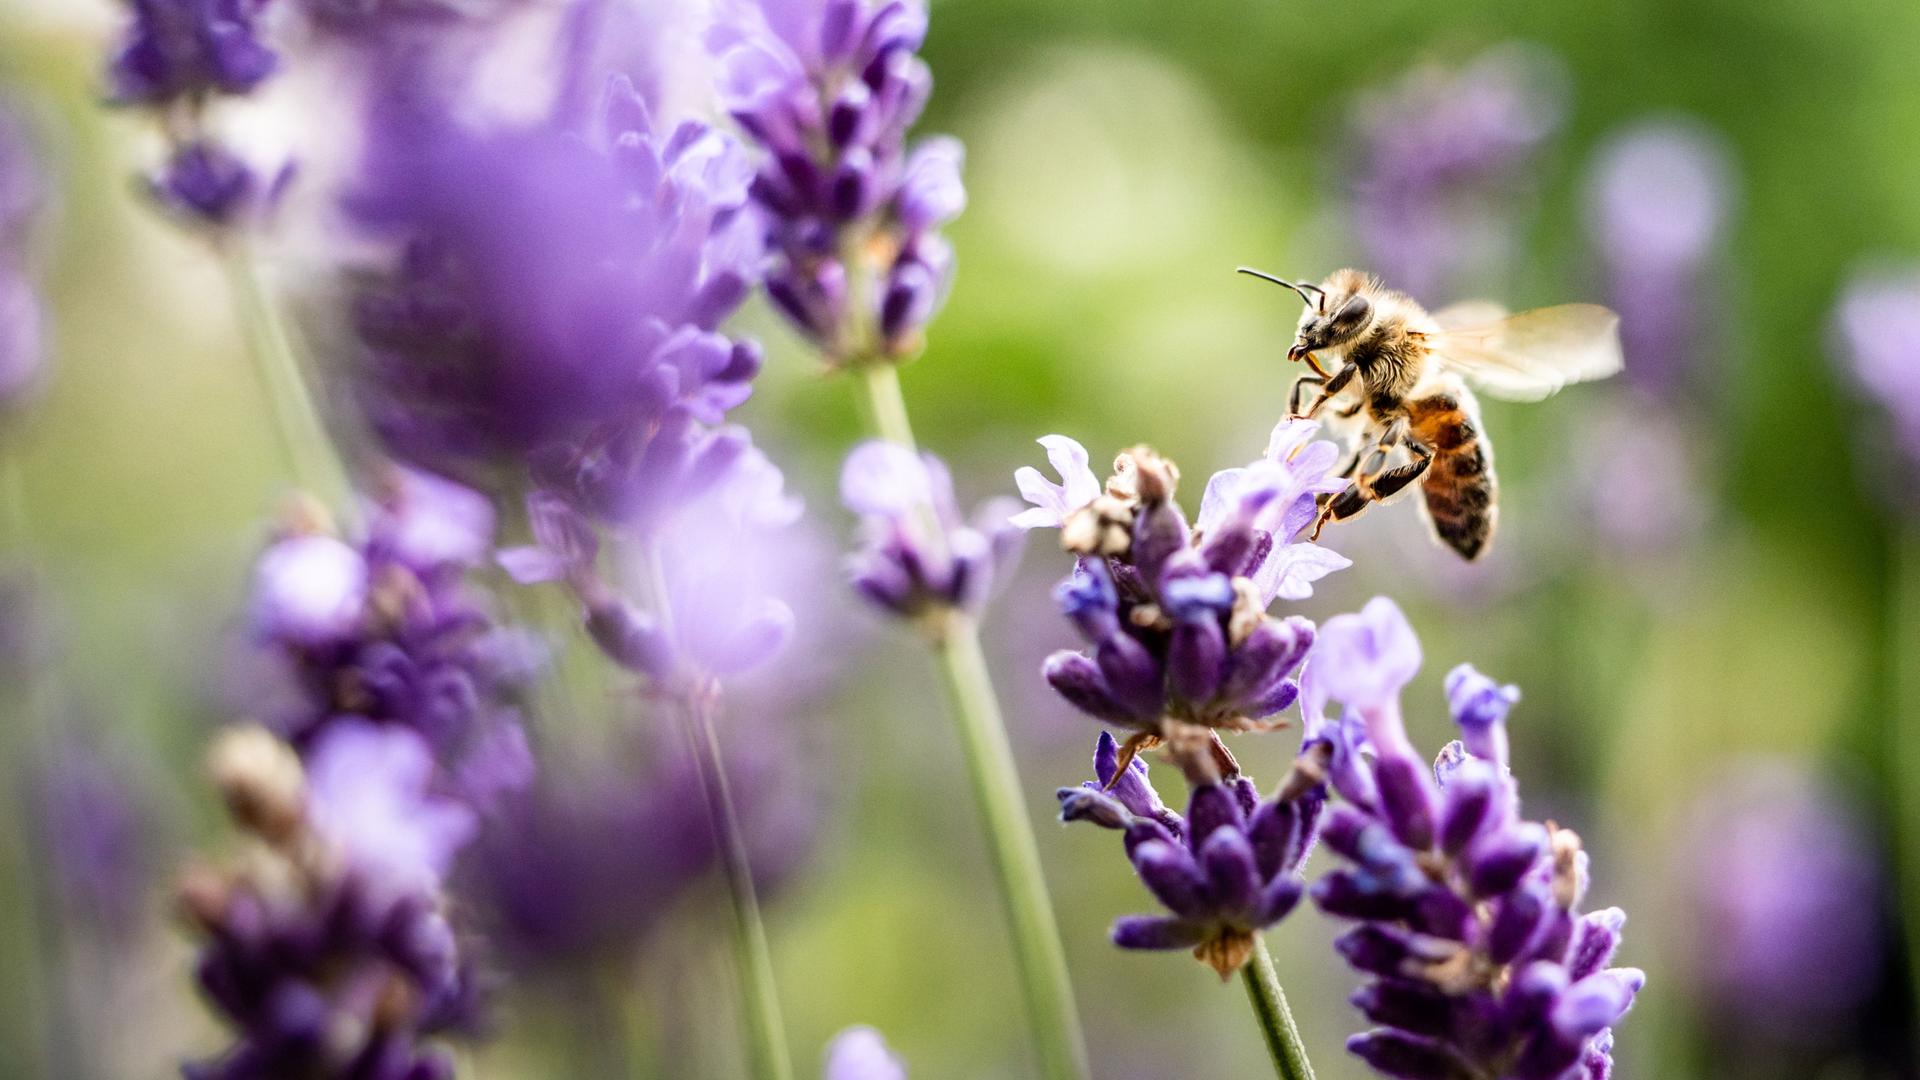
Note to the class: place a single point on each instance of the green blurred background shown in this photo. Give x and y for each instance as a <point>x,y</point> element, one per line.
<point>1124,156</point>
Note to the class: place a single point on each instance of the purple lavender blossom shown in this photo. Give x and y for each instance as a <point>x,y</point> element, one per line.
<point>1658,198</point>
<point>861,1053</point>
<point>828,88</point>
<point>22,315</point>
<point>328,951</point>
<point>898,495</point>
<point>1784,888</point>
<point>95,822</point>
<point>1440,161</point>
<point>1877,327</point>
<point>1177,615</point>
<point>1226,871</point>
<point>1467,913</point>
<point>388,630</point>
<point>561,316</point>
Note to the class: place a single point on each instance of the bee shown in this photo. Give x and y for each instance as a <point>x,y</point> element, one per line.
<point>1400,379</point>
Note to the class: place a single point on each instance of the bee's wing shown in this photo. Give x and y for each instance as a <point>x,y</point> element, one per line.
<point>1530,355</point>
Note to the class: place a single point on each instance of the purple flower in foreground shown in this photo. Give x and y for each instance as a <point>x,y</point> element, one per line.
<point>1440,161</point>
<point>900,568</point>
<point>1176,615</point>
<point>1877,326</point>
<point>1467,914</point>
<point>560,318</point>
<point>1658,199</point>
<point>860,1053</point>
<point>328,951</point>
<point>388,630</point>
<point>1226,871</point>
<point>828,89</point>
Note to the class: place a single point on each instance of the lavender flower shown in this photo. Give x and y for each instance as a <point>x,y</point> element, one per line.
<point>1784,888</point>
<point>328,950</point>
<point>1658,198</point>
<point>175,59</point>
<point>902,497</point>
<point>1876,324</point>
<point>1226,871</point>
<point>96,824</point>
<point>22,315</point>
<point>388,630</point>
<point>559,318</point>
<point>1467,913</point>
<point>828,89</point>
<point>1440,160</point>
<point>860,1053</point>
<point>1177,615</point>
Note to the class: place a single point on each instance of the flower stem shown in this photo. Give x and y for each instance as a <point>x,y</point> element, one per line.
<point>753,959</point>
<point>1276,1020</point>
<point>303,438</point>
<point>1038,954</point>
<point>996,787</point>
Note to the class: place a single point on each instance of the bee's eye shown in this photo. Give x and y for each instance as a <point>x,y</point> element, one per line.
<point>1352,313</point>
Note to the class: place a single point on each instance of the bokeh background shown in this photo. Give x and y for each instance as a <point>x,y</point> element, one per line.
<point>1697,582</point>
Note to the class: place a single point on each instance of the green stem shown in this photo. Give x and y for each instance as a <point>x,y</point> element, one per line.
<point>1038,954</point>
<point>1903,727</point>
<point>303,438</point>
<point>1276,1020</point>
<point>753,959</point>
<point>1023,886</point>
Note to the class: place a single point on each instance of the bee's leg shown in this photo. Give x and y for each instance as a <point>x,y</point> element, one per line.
<point>1387,484</point>
<point>1293,395</point>
<point>1375,482</point>
<point>1329,388</point>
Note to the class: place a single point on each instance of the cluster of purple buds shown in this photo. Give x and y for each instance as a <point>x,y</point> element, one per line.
<point>22,317</point>
<point>919,557</point>
<point>1226,871</point>
<point>390,630</point>
<point>327,948</point>
<point>177,58</point>
<point>1176,614</point>
<point>1439,161</point>
<point>1468,915</point>
<point>1658,202</point>
<point>1876,324</point>
<point>561,318</point>
<point>828,88</point>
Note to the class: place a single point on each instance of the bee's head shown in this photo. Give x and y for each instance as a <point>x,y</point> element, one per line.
<point>1335,320</point>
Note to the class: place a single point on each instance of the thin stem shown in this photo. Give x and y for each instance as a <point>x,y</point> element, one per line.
<point>303,438</point>
<point>1903,727</point>
<point>753,959</point>
<point>1023,886</point>
<point>886,406</point>
<point>1276,1020</point>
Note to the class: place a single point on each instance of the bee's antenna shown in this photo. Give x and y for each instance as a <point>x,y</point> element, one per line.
<point>1283,283</point>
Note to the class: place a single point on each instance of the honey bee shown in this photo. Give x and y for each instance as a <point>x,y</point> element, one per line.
<point>1399,378</point>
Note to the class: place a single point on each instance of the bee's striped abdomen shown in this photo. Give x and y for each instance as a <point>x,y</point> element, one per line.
<point>1460,484</point>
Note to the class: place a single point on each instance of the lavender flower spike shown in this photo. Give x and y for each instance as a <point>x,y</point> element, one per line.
<point>1467,914</point>
<point>22,314</point>
<point>828,88</point>
<point>901,498</point>
<point>1877,327</point>
<point>860,1053</point>
<point>328,951</point>
<point>1226,871</point>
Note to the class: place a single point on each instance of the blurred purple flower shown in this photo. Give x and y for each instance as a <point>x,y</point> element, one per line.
<point>861,1053</point>
<point>1226,871</point>
<point>1177,615</point>
<point>208,184</point>
<point>1658,197</point>
<point>23,329</point>
<point>327,951</point>
<point>1784,887</point>
<point>1467,913</point>
<point>1877,327</point>
<point>97,826</point>
<point>388,630</point>
<point>828,89</point>
<point>560,316</point>
<point>898,494</point>
<point>1440,161</point>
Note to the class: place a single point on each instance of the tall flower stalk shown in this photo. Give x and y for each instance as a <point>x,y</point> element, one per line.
<point>828,89</point>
